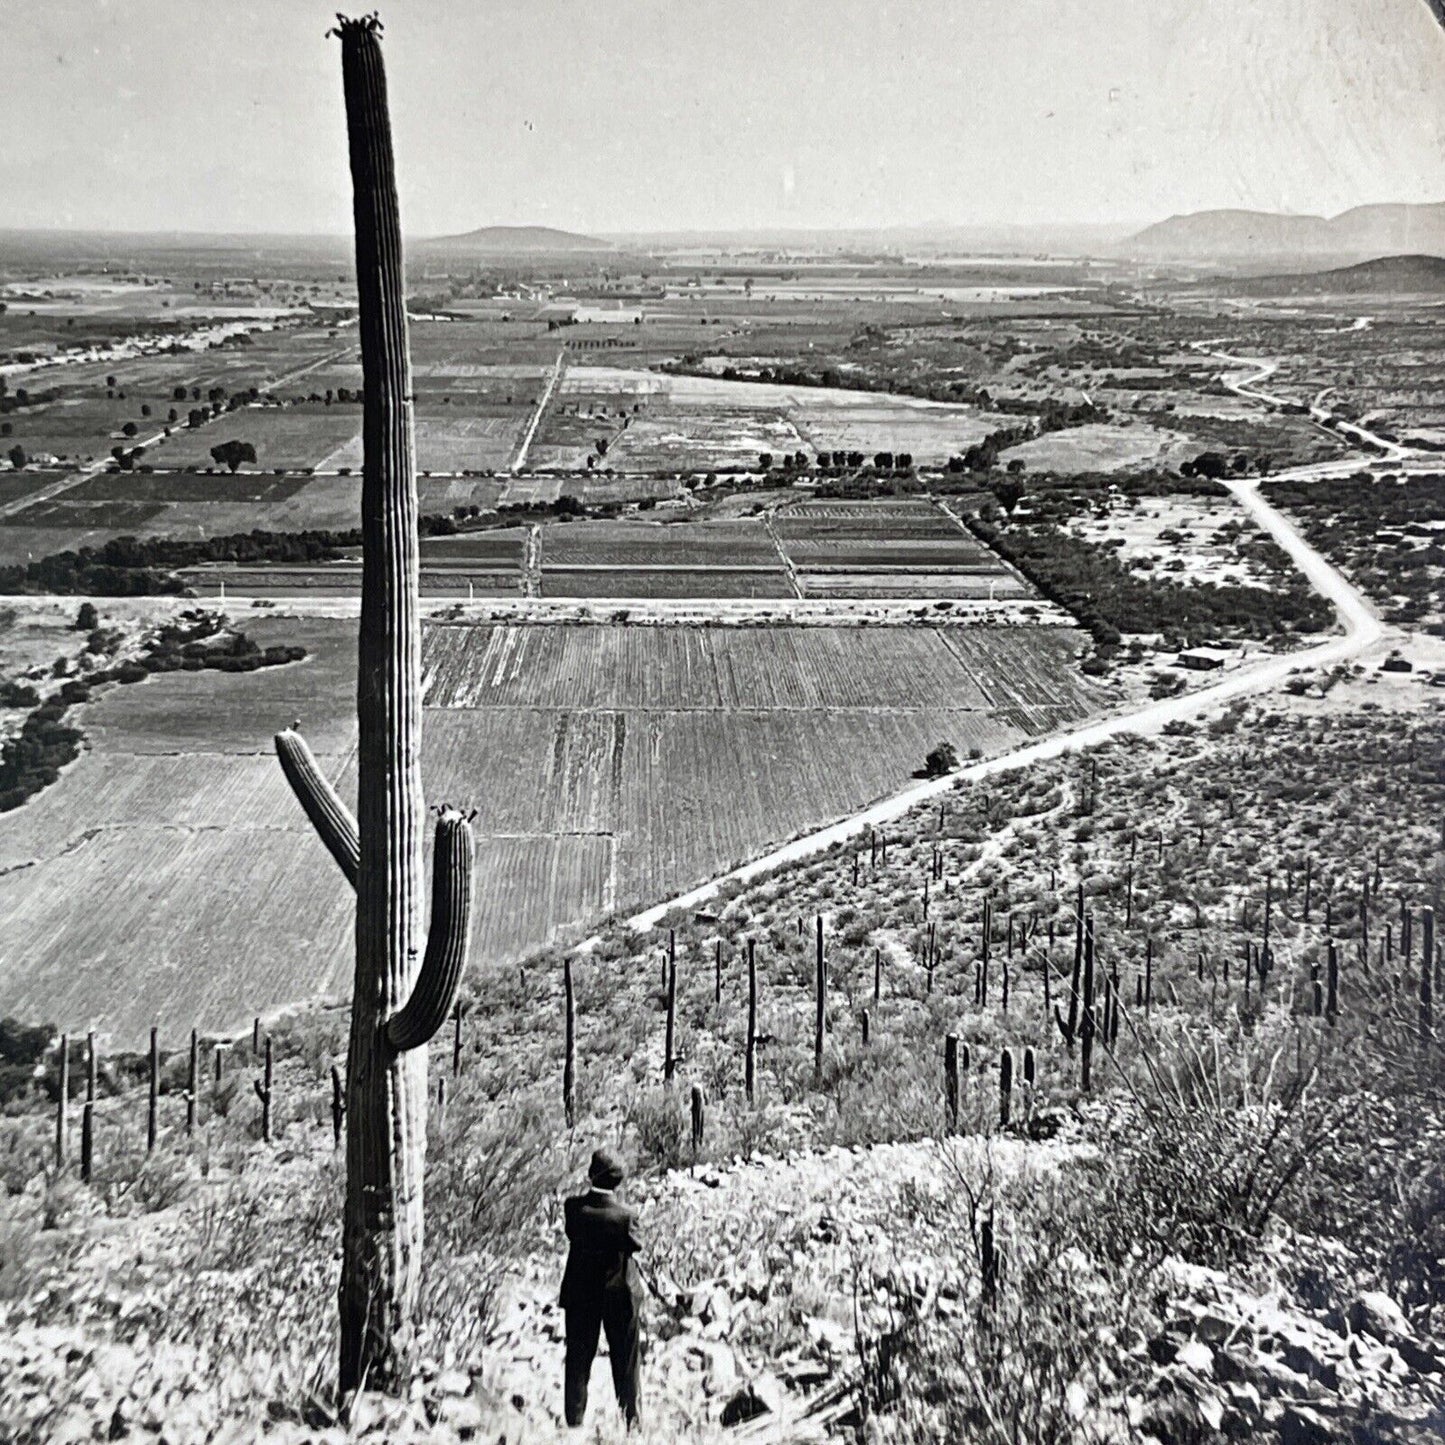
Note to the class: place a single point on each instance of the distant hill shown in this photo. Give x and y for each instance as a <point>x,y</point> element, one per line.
<point>1386,276</point>
<point>518,240</point>
<point>1358,234</point>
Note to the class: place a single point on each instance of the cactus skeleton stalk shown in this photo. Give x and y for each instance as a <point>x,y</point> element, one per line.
<point>950,1080</point>
<point>153,1082</point>
<point>820,1013</point>
<point>87,1117</point>
<point>1427,971</point>
<point>698,1119</point>
<point>569,1044</point>
<point>398,1004</point>
<point>750,1060</point>
<point>669,1043</point>
<point>62,1105</point>
<point>193,1080</point>
<point>265,1092</point>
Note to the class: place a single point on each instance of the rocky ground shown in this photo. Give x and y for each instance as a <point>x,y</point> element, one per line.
<point>776,1285</point>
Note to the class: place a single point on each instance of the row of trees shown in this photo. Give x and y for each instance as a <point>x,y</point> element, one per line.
<point>837,461</point>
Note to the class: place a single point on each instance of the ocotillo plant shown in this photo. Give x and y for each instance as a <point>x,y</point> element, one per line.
<point>456,1038</point>
<point>820,1015</point>
<point>750,1058</point>
<point>265,1091</point>
<point>397,1005</point>
<point>153,1089</point>
<point>569,1044</point>
<point>717,973</point>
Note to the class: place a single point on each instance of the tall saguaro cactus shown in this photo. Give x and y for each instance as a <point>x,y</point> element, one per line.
<point>397,1004</point>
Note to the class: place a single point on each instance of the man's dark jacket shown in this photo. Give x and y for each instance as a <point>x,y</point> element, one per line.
<point>603,1237</point>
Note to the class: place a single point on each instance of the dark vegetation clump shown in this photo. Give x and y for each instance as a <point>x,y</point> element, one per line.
<point>48,740</point>
<point>1109,600</point>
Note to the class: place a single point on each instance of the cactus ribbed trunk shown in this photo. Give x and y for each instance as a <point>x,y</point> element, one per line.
<point>750,1058</point>
<point>62,1110</point>
<point>569,1044</point>
<point>87,1118</point>
<point>950,1080</point>
<point>153,1088</point>
<point>401,996</point>
<point>386,1089</point>
<point>820,1006</point>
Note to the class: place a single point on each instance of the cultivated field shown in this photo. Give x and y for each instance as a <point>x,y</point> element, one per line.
<point>610,765</point>
<point>625,544</point>
<point>719,582</point>
<point>1103,447</point>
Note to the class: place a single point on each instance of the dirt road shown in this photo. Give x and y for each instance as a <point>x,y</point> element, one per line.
<point>1361,626</point>
<point>553,377</point>
<point>1257,369</point>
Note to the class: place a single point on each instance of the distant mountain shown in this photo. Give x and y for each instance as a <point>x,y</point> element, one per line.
<point>517,241</point>
<point>1358,234</point>
<point>939,238</point>
<point>1387,276</point>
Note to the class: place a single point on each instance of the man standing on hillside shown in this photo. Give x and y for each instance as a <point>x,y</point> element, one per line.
<point>601,1289</point>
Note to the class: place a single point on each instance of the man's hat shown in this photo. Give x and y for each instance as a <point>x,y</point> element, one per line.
<point>606,1170</point>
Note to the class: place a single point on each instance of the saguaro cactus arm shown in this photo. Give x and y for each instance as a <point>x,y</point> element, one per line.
<point>446,943</point>
<point>329,815</point>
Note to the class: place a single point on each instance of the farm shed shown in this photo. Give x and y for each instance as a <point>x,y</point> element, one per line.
<point>1202,659</point>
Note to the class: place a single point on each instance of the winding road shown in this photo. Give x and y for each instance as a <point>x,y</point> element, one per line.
<point>1257,369</point>
<point>1362,629</point>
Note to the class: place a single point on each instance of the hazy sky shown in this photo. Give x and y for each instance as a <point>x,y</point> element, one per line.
<point>608,115</point>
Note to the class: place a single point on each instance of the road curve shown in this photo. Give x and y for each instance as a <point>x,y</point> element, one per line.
<point>1361,626</point>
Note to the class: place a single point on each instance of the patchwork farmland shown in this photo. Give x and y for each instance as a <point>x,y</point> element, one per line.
<point>610,766</point>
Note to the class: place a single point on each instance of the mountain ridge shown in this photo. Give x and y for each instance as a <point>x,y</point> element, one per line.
<point>1405,275</point>
<point>515,240</point>
<point>1360,233</point>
